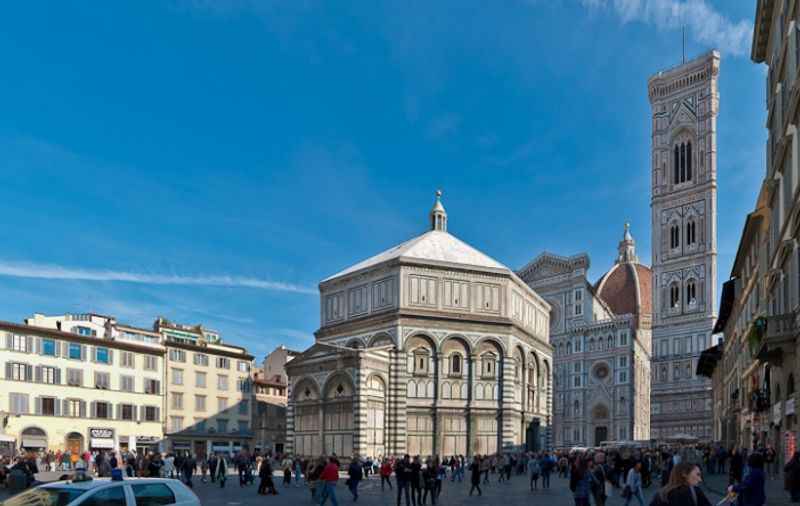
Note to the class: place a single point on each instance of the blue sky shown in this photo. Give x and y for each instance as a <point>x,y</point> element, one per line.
<point>211,161</point>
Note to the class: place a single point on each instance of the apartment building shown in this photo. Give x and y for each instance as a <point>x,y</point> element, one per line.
<point>208,391</point>
<point>81,382</point>
<point>270,389</point>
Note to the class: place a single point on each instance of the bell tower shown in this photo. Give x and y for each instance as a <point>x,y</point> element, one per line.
<point>684,102</point>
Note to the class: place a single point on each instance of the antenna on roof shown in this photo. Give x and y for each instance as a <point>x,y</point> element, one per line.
<point>683,40</point>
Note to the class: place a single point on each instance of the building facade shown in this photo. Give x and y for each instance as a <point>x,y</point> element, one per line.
<point>270,395</point>
<point>685,104</point>
<point>81,382</point>
<point>430,347</point>
<point>601,339</point>
<point>208,391</point>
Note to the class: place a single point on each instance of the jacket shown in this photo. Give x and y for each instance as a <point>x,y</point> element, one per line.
<point>751,490</point>
<point>681,496</point>
<point>330,473</point>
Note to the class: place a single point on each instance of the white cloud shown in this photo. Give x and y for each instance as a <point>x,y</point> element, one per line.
<point>47,271</point>
<point>705,24</point>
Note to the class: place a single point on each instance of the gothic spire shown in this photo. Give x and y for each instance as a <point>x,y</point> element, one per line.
<point>438,214</point>
<point>627,247</point>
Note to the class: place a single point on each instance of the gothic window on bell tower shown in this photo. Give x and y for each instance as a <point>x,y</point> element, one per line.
<point>676,178</point>
<point>691,293</point>
<point>674,236</point>
<point>683,163</point>
<point>689,161</point>
<point>674,295</point>
<point>690,233</point>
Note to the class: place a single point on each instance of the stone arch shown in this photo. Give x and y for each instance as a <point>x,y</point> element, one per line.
<point>33,437</point>
<point>338,385</point>
<point>494,341</point>
<point>380,339</point>
<point>355,343</point>
<point>306,389</point>
<point>419,340</point>
<point>74,442</point>
<point>455,351</point>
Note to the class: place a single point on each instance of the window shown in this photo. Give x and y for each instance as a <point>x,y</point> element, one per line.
<point>74,377</point>
<point>222,425</point>
<point>110,496</point>
<point>622,361</point>
<point>200,379</point>
<point>578,302</point>
<point>84,331</point>
<point>576,367</point>
<point>74,351</point>
<point>102,380</point>
<point>690,292</point>
<point>223,363</point>
<point>152,386</point>
<point>19,372</point>
<point>244,407</point>
<point>51,375</point>
<point>689,342</point>
<point>222,403</point>
<point>150,363</point>
<point>420,361</point>
<point>222,382</point>
<point>201,359</point>
<point>48,347</point>
<point>674,237</point>
<point>18,404</point>
<point>74,407</point>
<point>152,494</point>
<point>243,385</point>
<point>177,400</point>
<point>623,376</point>
<point>578,344</point>
<point>176,423</point>
<point>690,233</point>
<point>128,359</point>
<point>126,383</point>
<point>177,355</point>
<point>127,412</point>
<point>150,414</point>
<point>676,170</point>
<point>488,365</point>
<point>243,426</point>
<point>688,161</point>
<point>242,366</point>
<point>664,344</point>
<point>200,402</point>
<point>102,410</point>
<point>674,296</point>
<point>576,381</point>
<point>455,364</point>
<point>20,343</point>
<point>177,376</point>
<point>102,355</point>
<point>623,338</point>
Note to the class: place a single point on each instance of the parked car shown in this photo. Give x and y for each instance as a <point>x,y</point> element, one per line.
<point>107,492</point>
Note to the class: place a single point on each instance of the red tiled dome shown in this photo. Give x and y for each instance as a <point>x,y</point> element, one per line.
<point>627,288</point>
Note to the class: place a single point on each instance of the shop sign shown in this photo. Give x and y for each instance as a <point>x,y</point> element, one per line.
<point>101,438</point>
<point>147,440</point>
<point>776,413</point>
<point>789,407</point>
<point>102,433</point>
<point>181,445</point>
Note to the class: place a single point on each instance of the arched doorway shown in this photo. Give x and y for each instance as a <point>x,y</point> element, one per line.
<point>600,434</point>
<point>599,419</point>
<point>34,438</point>
<point>75,443</point>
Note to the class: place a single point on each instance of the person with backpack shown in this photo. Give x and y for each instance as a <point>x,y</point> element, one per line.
<point>475,476</point>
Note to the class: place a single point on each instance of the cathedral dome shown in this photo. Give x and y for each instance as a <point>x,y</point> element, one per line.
<point>627,286</point>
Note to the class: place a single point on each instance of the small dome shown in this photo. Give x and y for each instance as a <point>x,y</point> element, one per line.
<point>627,289</point>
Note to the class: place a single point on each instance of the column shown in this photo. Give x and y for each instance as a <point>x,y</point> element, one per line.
<point>507,402</point>
<point>398,378</point>
<point>360,410</point>
<point>288,445</point>
<point>472,427</point>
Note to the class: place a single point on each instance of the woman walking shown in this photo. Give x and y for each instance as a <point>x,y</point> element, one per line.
<point>534,468</point>
<point>682,488</point>
<point>355,473</point>
<point>580,482</point>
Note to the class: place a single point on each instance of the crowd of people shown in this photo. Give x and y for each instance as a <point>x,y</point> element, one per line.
<point>593,476</point>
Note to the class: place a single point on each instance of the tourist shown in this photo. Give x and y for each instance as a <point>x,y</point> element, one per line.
<point>737,466</point>
<point>386,473</point>
<point>429,482</point>
<point>222,470</point>
<point>546,464</point>
<point>580,482</point>
<point>298,472</point>
<point>355,473</point>
<point>265,483</point>
<point>287,471</point>
<point>771,462</point>
<point>602,485</point>
<point>415,480</point>
<point>633,485</point>
<point>534,469</point>
<point>313,473</point>
<point>212,466</point>
<point>751,488</point>
<point>682,488</point>
<point>501,466</point>
<point>330,476</point>
<point>402,474</point>
<point>475,476</point>
<point>189,465</point>
<point>203,469</point>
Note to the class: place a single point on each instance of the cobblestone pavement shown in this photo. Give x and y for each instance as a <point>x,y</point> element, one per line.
<point>514,493</point>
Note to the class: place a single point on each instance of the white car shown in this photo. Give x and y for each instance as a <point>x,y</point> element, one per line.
<point>105,492</point>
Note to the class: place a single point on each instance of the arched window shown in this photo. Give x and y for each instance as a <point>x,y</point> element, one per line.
<point>674,295</point>
<point>576,408</point>
<point>674,236</point>
<point>569,348</point>
<point>455,364</point>
<point>683,163</point>
<point>690,292</point>
<point>690,233</point>
<point>677,163</point>
<point>689,161</point>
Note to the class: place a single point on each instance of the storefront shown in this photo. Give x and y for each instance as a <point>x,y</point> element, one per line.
<point>101,439</point>
<point>147,444</point>
<point>8,445</point>
<point>34,439</point>
<point>74,442</point>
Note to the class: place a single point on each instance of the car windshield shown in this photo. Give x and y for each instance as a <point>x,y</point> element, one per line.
<point>45,496</point>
